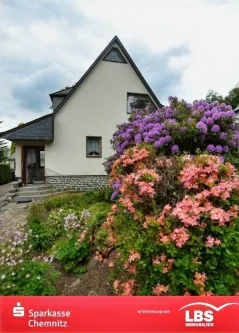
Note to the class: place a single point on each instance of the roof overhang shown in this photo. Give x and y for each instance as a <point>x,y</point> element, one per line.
<point>40,129</point>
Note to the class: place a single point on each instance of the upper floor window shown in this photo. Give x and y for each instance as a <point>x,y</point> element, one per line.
<point>139,101</point>
<point>93,146</point>
<point>115,56</point>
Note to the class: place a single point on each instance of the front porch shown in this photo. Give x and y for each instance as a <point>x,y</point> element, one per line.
<point>30,140</point>
<point>33,164</point>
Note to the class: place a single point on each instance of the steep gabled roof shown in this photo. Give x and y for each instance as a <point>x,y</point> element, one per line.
<point>38,129</point>
<point>104,53</point>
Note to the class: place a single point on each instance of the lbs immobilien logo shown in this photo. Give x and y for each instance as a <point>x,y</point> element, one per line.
<point>197,317</point>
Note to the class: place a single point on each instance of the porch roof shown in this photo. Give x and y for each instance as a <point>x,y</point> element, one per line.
<point>38,129</point>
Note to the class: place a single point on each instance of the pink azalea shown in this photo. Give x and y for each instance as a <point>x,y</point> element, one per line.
<point>200,278</point>
<point>134,255</point>
<point>210,241</point>
<point>180,236</point>
<point>217,242</point>
<point>156,261</point>
<point>160,289</point>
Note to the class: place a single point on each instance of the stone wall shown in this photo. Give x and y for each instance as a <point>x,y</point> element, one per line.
<point>78,183</point>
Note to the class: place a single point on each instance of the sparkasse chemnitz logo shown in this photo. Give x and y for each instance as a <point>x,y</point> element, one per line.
<point>199,318</point>
<point>18,310</point>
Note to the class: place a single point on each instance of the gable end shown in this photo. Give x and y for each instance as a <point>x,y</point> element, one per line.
<point>100,57</point>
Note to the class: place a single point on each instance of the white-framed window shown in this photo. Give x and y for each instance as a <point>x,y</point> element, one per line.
<point>93,146</point>
<point>139,101</point>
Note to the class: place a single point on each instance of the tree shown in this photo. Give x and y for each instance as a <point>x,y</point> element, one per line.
<point>231,98</point>
<point>3,149</point>
<point>13,144</point>
<point>213,96</point>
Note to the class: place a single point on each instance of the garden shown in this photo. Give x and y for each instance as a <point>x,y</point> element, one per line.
<point>52,249</point>
<point>167,225</point>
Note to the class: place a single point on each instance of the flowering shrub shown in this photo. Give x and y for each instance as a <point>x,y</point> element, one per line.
<point>185,243</point>
<point>28,278</point>
<point>18,275</point>
<point>63,222</point>
<point>180,127</point>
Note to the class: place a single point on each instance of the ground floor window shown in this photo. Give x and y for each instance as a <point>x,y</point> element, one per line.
<point>93,146</point>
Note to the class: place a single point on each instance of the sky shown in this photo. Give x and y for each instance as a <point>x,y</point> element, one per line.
<point>182,47</point>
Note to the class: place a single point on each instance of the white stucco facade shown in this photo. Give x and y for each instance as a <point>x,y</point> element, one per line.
<point>94,109</point>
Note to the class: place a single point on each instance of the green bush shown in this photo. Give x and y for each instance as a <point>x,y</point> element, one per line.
<point>77,201</point>
<point>71,254</point>
<point>64,227</point>
<point>5,174</point>
<point>30,278</point>
<point>61,201</point>
<point>40,235</point>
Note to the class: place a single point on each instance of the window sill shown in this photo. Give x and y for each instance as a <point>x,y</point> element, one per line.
<point>93,156</point>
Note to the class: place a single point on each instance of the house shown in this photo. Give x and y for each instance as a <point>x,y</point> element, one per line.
<point>67,148</point>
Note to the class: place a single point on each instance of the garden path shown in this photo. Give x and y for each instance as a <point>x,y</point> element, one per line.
<point>4,189</point>
<point>11,215</point>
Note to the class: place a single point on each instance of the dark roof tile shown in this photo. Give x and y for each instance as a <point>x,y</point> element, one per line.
<point>38,129</point>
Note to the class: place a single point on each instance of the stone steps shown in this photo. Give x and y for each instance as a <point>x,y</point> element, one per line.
<point>36,188</point>
<point>24,198</point>
<point>32,192</point>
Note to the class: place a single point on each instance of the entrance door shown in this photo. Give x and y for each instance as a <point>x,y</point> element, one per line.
<point>23,165</point>
<point>33,164</point>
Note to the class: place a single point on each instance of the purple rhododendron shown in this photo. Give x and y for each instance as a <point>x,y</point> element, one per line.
<point>175,149</point>
<point>218,149</point>
<point>215,128</point>
<point>201,127</point>
<point>223,136</point>
<point>210,148</point>
<point>207,126</point>
<point>225,149</point>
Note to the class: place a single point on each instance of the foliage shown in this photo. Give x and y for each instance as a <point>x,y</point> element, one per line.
<point>186,243</point>
<point>18,274</point>
<point>43,233</point>
<point>78,201</point>
<point>5,174</point>
<point>71,254</point>
<point>3,150</point>
<point>179,127</point>
<point>231,98</point>
<point>59,229</point>
<point>213,96</point>
<point>13,144</point>
<point>29,278</point>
